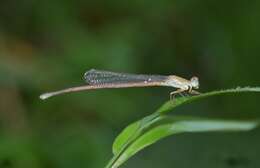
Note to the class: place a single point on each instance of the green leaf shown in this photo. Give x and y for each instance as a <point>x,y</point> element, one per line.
<point>131,134</point>
<point>125,136</point>
<point>170,105</point>
<point>165,126</point>
<point>131,131</point>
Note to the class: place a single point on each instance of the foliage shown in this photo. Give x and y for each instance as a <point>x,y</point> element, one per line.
<point>156,126</point>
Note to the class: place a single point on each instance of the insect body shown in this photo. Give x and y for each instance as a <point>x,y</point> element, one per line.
<point>98,79</point>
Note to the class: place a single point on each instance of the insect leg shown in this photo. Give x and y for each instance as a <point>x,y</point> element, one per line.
<point>172,94</point>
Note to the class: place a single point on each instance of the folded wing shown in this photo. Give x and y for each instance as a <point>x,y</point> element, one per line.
<point>100,77</point>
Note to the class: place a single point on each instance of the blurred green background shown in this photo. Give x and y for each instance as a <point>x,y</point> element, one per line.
<point>48,45</point>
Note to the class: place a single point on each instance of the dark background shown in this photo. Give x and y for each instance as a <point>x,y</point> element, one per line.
<point>48,45</point>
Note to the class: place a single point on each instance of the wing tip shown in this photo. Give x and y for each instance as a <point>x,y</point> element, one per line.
<point>87,73</point>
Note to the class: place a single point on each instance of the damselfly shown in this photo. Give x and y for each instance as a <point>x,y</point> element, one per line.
<point>99,79</point>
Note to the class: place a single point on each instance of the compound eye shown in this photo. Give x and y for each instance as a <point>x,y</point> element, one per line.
<point>194,78</point>
<point>195,82</point>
